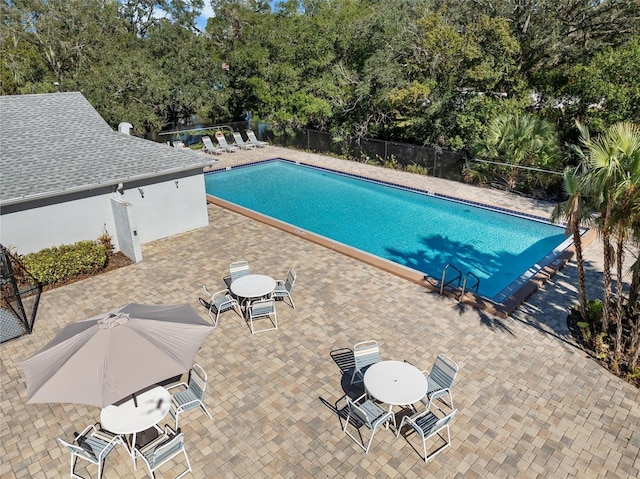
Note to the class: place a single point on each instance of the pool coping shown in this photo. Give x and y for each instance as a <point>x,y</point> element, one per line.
<point>500,309</point>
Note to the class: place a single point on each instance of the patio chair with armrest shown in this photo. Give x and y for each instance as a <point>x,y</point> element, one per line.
<point>219,302</point>
<point>191,396</point>
<point>252,140</point>
<point>93,445</point>
<point>427,424</point>
<point>440,379</point>
<point>260,309</point>
<point>366,413</point>
<point>240,141</point>
<point>365,354</point>
<point>284,287</point>
<point>162,449</point>
<point>238,269</point>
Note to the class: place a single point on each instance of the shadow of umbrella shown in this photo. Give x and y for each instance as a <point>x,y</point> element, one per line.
<point>107,358</point>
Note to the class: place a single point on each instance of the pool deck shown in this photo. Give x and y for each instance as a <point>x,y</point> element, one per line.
<point>530,403</point>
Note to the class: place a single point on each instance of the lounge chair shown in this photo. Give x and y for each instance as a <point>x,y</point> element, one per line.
<point>252,140</point>
<point>240,141</point>
<point>222,141</point>
<point>178,144</point>
<point>210,148</point>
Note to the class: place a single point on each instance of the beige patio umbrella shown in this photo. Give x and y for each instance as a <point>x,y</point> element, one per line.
<point>104,359</point>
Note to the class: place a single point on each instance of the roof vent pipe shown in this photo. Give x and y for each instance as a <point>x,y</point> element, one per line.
<point>124,127</point>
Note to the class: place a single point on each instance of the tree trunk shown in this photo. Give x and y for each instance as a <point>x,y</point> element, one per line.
<point>619,289</point>
<point>582,285</point>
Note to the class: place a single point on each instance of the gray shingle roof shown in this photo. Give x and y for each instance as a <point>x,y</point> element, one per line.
<point>55,143</point>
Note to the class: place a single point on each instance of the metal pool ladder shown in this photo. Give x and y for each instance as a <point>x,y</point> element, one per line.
<point>458,278</point>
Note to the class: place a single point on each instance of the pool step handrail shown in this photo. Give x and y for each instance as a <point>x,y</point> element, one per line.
<point>464,284</point>
<point>444,283</point>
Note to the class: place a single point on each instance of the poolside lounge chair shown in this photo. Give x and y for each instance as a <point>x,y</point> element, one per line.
<point>178,144</point>
<point>93,445</point>
<point>222,141</point>
<point>365,412</point>
<point>240,141</point>
<point>428,425</point>
<point>210,148</point>
<point>252,140</point>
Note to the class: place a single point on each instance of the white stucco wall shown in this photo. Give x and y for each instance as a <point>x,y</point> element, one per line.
<point>164,211</point>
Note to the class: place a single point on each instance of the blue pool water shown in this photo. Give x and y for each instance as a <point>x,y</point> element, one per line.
<point>411,228</point>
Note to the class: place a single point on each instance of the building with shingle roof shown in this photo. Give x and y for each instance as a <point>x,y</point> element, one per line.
<point>67,176</point>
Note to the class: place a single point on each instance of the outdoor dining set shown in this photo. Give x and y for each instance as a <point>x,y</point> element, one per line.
<point>129,362</point>
<point>252,296</point>
<point>399,383</point>
<point>136,355</point>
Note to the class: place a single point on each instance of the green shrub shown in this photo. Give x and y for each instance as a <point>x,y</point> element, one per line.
<point>62,263</point>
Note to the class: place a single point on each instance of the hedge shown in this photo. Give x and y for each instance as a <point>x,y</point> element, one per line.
<point>62,263</point>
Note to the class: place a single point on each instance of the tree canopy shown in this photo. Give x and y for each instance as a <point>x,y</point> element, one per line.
<point>432,72</point>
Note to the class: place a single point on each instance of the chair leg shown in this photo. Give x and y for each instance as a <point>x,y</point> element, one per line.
<point>205,410</point>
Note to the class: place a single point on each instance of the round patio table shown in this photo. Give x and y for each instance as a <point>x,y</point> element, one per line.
<point>253,286</point>
<point>395,383</point>
<point>129,419</point>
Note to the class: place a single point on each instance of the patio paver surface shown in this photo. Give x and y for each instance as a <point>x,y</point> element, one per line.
<point>530,403</point>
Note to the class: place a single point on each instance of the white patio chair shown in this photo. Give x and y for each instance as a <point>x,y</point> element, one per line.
<point>284,287</point>
<point>260,309</point>
<point>440,379</point>
<point>162,449</point>
<point>366,413</point>
<point>252,140</point>
<point>365,354</point>
<point>238,269</point>
<point>219,302</point>
<point>428,425</point>
<point>191,396</point>
<point>92,445</point>
<point>240,141</point>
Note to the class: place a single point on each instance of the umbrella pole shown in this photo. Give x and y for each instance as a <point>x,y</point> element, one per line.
<point>135,401</point>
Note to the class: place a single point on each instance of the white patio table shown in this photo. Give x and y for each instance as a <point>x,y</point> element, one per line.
<point>253,286</point>
<point>395,383</point>
<point>129,419</point>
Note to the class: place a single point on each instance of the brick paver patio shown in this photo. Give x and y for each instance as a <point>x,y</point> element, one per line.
<point>531,404</point>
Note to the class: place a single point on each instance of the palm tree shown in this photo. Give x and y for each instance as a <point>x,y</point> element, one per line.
<point>612,179</point>
<point>520,140</point>
<point>574,212</point>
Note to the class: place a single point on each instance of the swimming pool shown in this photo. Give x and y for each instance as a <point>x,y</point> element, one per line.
<point>416,229</point>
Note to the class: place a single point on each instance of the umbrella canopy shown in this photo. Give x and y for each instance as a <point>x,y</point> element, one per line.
<point>103,359</point>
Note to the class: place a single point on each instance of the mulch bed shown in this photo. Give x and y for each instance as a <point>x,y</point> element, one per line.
<point>572,324</point>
